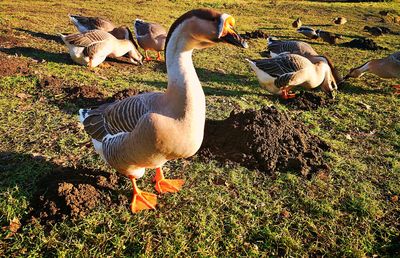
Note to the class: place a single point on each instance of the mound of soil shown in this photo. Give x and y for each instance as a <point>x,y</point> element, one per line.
<point>307,101</point>
<point>267,140</point>
<point>257,34</point>
<point>362,43</point>
<point>71,193</point>
<point>10,65</point>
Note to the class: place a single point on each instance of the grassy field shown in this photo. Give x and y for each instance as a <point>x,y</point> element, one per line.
<point>351,211</point>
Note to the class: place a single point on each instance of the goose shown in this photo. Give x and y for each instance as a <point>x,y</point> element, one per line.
<point>277,47</point>
<point>388,67</point>
<point>84,24</point>
<point>339,20</point>
<point>328,37</point>
<point>92,47</point>
<point>280,74</point>
<point>308,32</point>
<point>147,130</point>
<point>297,23</point>
<point>375,31</point>
<point>150,36</point>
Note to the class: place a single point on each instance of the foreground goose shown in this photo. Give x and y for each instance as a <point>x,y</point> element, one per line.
<point>92,47</point>
<point>277,47</point>
<point>388,67</point>
<point>283,72</point>
<point>147,130</point>
<point>84,24</point>
<point>150,36</point>
<point>308,32</point>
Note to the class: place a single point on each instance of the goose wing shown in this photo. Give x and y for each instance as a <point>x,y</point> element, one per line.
<point>92,23</point>
<point>294,47</point>
<point>88,38</point>
<point>282,64</point>
<point>395,57</point>
<point>118,117</point>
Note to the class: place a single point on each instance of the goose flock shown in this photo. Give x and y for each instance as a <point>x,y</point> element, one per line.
<point>147,130</point>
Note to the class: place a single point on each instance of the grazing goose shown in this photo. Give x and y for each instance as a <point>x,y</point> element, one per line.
<point>308,32</point>
<point>92,47</point>
<point>388,67</point>
<point>280,74</point>
<point>150,36</point>
<point>84,24</point>
<point>297,23</point>
<point>277,47</point>
<point>147,130</point>
<point>339,20</point>
<point>328,37</point>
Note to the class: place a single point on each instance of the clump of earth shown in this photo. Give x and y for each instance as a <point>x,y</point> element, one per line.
<point>267,140</point>
<point>307,101</point>
<point>363,43</point>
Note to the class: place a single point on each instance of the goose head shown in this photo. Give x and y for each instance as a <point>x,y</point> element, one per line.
<point>354,73</point>
<point>204,28</point>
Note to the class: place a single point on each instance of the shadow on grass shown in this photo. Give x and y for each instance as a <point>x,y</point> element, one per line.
<point>347,87</point>
<point>49,37</point>
<point>49,187</point>
<point>38,54</point>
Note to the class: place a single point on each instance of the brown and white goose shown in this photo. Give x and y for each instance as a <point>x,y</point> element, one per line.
<point>147,130</point>
<point>277,47</point>
<point>282,73</point>
<point>84,24</point>
<point>388,67</point>
<point>92,47</point>
<point>150,36</point>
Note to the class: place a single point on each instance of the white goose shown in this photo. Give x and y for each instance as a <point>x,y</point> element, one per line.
<point>280,74</point>
<point>147,130</point>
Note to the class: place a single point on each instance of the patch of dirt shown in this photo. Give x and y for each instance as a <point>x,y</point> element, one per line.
<point>11,65</point>
<point>8,40</point>
<point>256,34</point>
<point>362,43</point>
<point>307,101</point>
<point>73,193</point>
<point>267,140</point>
<point>80,95</point>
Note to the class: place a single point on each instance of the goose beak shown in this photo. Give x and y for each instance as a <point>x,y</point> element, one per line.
<point>233,38</point>
<point>346,77</point>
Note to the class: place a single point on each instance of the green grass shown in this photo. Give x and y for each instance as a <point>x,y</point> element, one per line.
<point>347,212</point>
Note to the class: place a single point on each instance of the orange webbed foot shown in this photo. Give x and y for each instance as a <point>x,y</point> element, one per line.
<point>396,89</point>
<point>287,95</point>
<point>167,185</point>
<point>142,200</point>
<point>159,56</point>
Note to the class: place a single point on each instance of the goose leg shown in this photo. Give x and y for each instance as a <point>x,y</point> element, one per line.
<point>147,56</point>
<point>286,93</point>
<point>141,200</point>
<point>397,89</point>
<point>167,185</point>
<point>159,56</point>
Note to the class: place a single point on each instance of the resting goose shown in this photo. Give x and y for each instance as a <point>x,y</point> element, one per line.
<point>388,67</point>
<point>308,32</point>
<point>150,36</point>
<point>147,130</point>
<point>297,23</point>
<point>84,24</point>
<point>277,47</point>
<point>283,72</point>
<point>92,47</point>
<point>328,37</point>
<point>339,20</point>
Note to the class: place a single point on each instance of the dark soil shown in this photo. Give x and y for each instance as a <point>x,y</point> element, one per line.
<point>73,193</point>
<point>10,65</point>
<point>362,43</point>
<point>267,140</point>
<point>307,101</point>
<point>257,34</point>
<point>81,95</point>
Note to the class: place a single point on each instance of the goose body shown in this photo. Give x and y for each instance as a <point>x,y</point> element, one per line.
<point>150,36</point>
<point>92,47</point>
<point>297,23</point>
<point>328,37</point>
<point>308,32</point>
<point>339,20</point>
<point>283,72</point>
<point>147,130</point>
<point>277,47</point>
